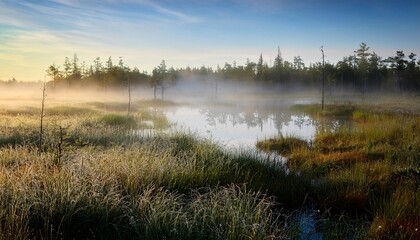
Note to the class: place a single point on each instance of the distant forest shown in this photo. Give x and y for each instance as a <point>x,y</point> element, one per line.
<point>364,71</point>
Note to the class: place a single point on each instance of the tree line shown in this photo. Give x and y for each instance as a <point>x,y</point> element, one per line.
<point>108,74</point>
<point>363,71</point>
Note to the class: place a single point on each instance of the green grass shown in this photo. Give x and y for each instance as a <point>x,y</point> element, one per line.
<point>117,120</point>
<point>160,187</point>
<point>282,145</point>
<point>25,111</point>
<point>109,106</point>
<point>337,111</point>
<point>116,182</point>
<point>68,110</point>
<point>113,183</point>
<point>369,169</point>
<point>135,105</point>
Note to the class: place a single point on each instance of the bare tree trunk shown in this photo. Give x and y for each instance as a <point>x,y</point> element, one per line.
<point>60,146</point>
<point>323,78</point>
<point>129,97</point>
<point>154,92</point>
<point>42,115</point>
<point>399,82</point>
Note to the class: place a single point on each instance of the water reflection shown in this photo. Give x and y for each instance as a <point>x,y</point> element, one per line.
<point>241,127</point>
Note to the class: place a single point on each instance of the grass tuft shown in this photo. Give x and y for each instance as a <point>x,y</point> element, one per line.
<point>282,145</point>
<point>117,120</point>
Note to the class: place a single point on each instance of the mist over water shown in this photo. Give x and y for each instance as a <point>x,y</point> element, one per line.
<point>234,115</point>
<point>235,128</point>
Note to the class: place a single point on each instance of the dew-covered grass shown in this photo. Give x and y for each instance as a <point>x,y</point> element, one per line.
<point>370,169</point>
<point>103,173</point>
<point>114,182</point>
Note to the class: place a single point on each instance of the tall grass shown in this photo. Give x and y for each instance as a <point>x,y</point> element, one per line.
<point>370,170</point>
<point>130,193</point>
<point>115,184</point>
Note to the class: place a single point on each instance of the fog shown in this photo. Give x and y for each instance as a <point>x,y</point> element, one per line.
<point>231,112</point>
<point>201,90</point>
<point>228,112</point>
<point>32,91</point>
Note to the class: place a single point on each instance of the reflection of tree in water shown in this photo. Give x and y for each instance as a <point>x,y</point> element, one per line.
<point>251,116</point>
<point>301,120</point>
<point>279,119</point>
<point>267,118</point>
<point>258,115</point>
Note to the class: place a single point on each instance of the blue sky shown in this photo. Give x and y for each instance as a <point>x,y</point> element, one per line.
<point>35,34</point>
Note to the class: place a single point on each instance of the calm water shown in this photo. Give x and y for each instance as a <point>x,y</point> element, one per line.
<point>236,127</point>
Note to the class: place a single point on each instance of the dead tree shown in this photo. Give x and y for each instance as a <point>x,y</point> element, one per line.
<point>323,78</point>
<point>129,96</point>
<point>41,116</point>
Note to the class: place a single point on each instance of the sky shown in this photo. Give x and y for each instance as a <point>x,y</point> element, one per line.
<point>36,34</point>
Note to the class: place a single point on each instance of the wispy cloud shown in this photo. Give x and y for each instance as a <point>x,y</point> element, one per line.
<point>10,16</point>
<point>273,5</point>
<point>36,34</point>
<point>179,15</point>
<point>185,32</point>
<point>159,8</point>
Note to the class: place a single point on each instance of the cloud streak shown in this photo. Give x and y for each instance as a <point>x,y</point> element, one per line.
<point>34,34</point>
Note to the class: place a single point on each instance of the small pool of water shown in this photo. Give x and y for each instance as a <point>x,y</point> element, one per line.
<point>240,128</point>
